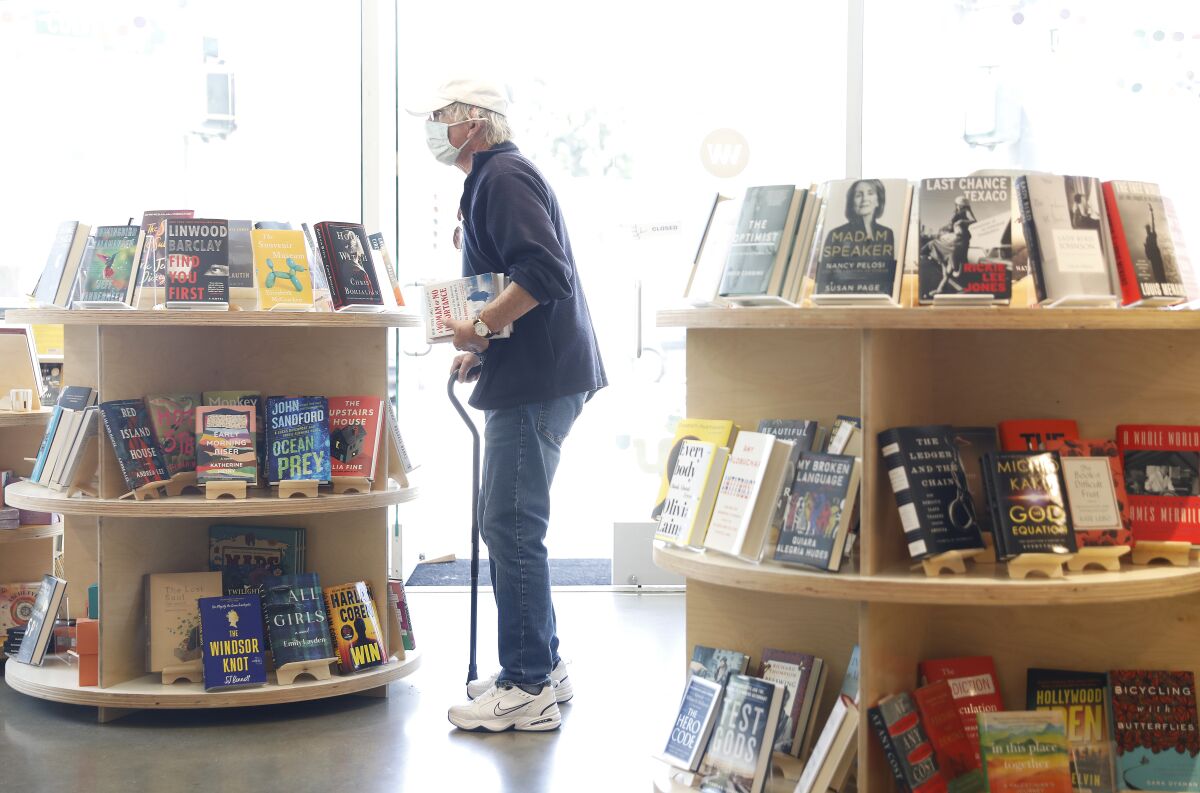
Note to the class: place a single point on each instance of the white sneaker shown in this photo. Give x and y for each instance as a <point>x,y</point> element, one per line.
<point>508,707</point>
<point>563,689</point>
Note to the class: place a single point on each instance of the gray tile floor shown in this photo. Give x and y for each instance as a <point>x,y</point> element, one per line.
<point>627,654</point>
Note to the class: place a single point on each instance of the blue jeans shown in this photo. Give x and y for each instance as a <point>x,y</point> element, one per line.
<point>522,446</point>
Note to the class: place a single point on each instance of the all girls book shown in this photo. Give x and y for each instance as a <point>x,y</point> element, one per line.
<point>965,243</point>
<point>127,423</point>
<point>354,423</point>
<point>225,444</point>
<point>232,642</point>
<point>354,627</point>
<point>297,619</point>
<point>297,439</point>
<point>173,417</point>
<point>1146,259</point>
<point>345,255</point>
<point>1155,730</point>
<point>197,263</point>
<point>1162,480</point>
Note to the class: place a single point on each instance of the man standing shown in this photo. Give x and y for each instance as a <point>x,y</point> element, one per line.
<point>531,387</point>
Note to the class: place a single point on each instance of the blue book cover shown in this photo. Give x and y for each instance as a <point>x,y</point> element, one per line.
<point>47,439</point>
<point>693,723</point>
<point>297,438</point>
<point>249,557</point>
<point>297,622</point>
<point>127,423</point>
<point>231,640</point>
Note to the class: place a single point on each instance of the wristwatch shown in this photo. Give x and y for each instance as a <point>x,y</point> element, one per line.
<point>481,328</point>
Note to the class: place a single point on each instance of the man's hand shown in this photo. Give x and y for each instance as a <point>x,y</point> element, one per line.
<point>465,337</point>
<point>463,364</point>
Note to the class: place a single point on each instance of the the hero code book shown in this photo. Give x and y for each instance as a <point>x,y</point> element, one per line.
<point>354,627</point>
<point>345,255</point>
<point>354,423</point>
<point>225,444</point>
<point>1155,730</point>
<point>127,423</point>
<point>1162,480</point>
<point>197,262</point>
<point>297,439</point>
<point>231,640</point>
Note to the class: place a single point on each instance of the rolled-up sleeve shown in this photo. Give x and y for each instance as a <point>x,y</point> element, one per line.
<point>524,234</point>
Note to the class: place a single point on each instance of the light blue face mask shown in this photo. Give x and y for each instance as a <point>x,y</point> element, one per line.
<point>437,136</point>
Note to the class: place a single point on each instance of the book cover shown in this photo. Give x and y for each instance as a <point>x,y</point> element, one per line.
<point>40,627</point>
<point>1088,488</point>
<point>693,723</point>
<point>738,757</point>
<point>803,435</point>
<point>965,238</point>
<point>297,438</point>
<point>720,432</point>
<point>225,444</point>
<point>281,269</point>
<point>956,757</point>
<point>709,263</point>
<point>761,240</point>
<point>974,686</point>
<point>173,616</point>
<point>1032,435</point>
<point>354,627</point>
<point>379,249</point>
<point>348,267</point>
<point>241,255</point>
<point>73,402</point>
<point>460,299</point>
<point>173,417</point>
<point>1029,503</point>
<point>154,263</point>
<point>716,664</point>
<point>937,513</point>
<point>850,685</point>
<point>1062,220</point>
<point>62,263</point>
<point>1146,262</point>
<point>1080,697</point>
<point>835,746</point>
<point>972,444</point>
<point>1025,752</point>
<point>1154,728</point>
<point>106,275</point>
<point>43,453</point>
<point>16,604</point>
<point>127,423</point>
<point>753,479</point>
<point>231,640</point>
<point>354,423</point>
<point>699,468</point>
<point>1162,480</point>
<point>251,557</point>
<point>220,398</point>
<point>296,619</point>
<point>802,678</point>
<point>197,261</point>
<point>819,509</point>
<point>399,601</point>
<point>864,219</point>
<point>910,755</point>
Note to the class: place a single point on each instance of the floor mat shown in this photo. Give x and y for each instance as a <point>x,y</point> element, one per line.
<point>563,572</point>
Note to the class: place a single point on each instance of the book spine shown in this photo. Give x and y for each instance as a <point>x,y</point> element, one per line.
<point>47,439</point>
<point>323,250</point>
<point>879,727</point>
<point>910,520</point>
<point>1130,291</point>
<point>1032,245</point>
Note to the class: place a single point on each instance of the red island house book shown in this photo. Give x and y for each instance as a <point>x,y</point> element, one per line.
<point>974,687</point>
<point>1162,480</point>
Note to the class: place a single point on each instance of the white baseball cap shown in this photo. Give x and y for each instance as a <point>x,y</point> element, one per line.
<point>479,93</point>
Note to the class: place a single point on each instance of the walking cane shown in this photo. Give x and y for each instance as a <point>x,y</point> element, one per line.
<point>472,672</point>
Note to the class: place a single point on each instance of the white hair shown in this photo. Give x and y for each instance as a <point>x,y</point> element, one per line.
<point>497,130</point>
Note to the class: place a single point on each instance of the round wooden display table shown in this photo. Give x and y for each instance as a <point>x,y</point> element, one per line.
<point>237,319</point>
<point>31,418</point>
<point>31,532</point>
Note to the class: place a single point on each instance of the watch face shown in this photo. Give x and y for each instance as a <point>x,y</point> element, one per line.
<point>481,328</point>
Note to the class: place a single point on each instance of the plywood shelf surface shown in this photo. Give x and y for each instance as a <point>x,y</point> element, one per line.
<point>260,502</point>
<point>313,319</point>
<point>33,418</point>
<point>930,318</point>
<point>58,681</point>
<point>981,586</point>
<point>31,532</point>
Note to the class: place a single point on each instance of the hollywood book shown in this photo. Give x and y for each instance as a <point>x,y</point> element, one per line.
<point>296,619</point>
<point>346,257</point>
<point>965,239</point>
<point>865,220</point>
<point>232,643</point>
<point>297,439</point>
<point>107,274</point>
<point>225,444</point>
<point>354,627</point>
<point>197,262</point>
<point>127,423</point>
<point>1162,480</point>
<point>1081,698</point>
<point>354,423</point>
<point>1155,730</point>
<point>174,419</point>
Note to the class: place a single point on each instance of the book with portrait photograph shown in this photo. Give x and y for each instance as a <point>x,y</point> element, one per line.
<point>965,245</point>
<point>1162,480</point>
<point>864,225</point>
<point>1146,261</point>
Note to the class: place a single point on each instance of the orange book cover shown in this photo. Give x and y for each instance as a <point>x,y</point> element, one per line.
<point>355,626</point>
<point>1031,435</point>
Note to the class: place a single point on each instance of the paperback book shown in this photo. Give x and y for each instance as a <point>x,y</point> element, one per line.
<point>973,443</point>
<point>296,619</point>
<point>345,255</point>
<point>753,480</point>
<point>1080,697</point>
<point>461,299</point>
<point>16,604</point>
<point>803,436</point>
<point>108,273</point>
<point>695,481</point>
<point>127,423</point>
<point>1155,730</point>
<point>241,255</point>
<point>354,627</point>
<point>720,432</point>
<point>834,749</point>
<point>154,260</point>
<point>965,240</point>
<point>354,423</point>
<point>693,723</point>
<point>297,439</point>
<point>197,263</point>
<point>281,270</point>
<point>231,636</point>
<point>379,249</point>
<point>399,603</point>
<point>956,756</point>
<point>249,558</point>
<point>859,258</point>
<point>1162,480</point>
<point>819,509</point>
<point>173,417</point>
<point>1025,752</point>
<point>738,757</point>
<point>225,444</point>
<point>1032,435</point>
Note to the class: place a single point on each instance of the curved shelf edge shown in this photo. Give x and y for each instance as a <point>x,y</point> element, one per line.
<point>35,497</point>
<point>316,319</point>
<point>32,418</point>
<point>981,586</point>
<point>31,532</point>
<point>57,682</point>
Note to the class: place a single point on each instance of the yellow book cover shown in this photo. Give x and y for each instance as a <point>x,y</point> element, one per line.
<point>692,494</point>
<point>354,626</point>
<point>281,270</point>
<point>718,431</point>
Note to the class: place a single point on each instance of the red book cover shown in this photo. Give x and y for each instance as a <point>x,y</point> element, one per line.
<point>354,435</point>
<point>1162,480</point>
<point>1147,261</point>
<point>1030,435</point>
<point>1129,283</point>
<point>939,715</point>
<point>974,687</point>
<point>1090,447</point>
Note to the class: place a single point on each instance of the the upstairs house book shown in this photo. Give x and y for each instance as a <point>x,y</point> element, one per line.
<point>1155,730</point>
<point>1080,697</point>
<point>231,636</point>
<point>282,273</point>
<point>720,432</point>
<point>345,255</point>
<point>127,423</point>
<point>297,439</point>
<point>965,239</point>
<point>109,272</point>
<point>1147,262</point>
<point>461,299</point>
<point>173,417</point>
<point>354,627</point>
<point>1162,480</point>
<point>225,444</point>
<point>862,236</point>
<point>296,618</point>
<point>819,508</point>
<point>695,481</point>
<point>354,426</point>
<point>762,241</point>
<point>197,263</point>
<point>1025,752</point>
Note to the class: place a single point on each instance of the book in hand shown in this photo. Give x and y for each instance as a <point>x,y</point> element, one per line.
<point>1146,260</point>
<point>693,723</point>
<point>803,679</point>
<point>753,480</point>
<point>965,240</point>
<point>197,263</point>
<point>819,510</point>
<point>40,627</point>
<point>62,264</point>
<point>906,747</point>
<point>859,259</point>
<point>699,467</point>
<point>973,685</point>
<point>1025,752</point>
<point>1080,697</point>
<point>1162,480</point>
<point>231,640</point>
<point>762,241</point>
<point>282,274</point>
<point>127,423</point>
<point>1032,435</point>
<point>349,269</point>
<point>832,749</point>
<point>173,616</point>
<point>1155,730</point>
<point>1095,483</point>
<point>225,444</point>
<point>719,432</point>
<point>738,757</point>
<point>1029,503</point>
<point>461,299</point>
<point>173,417</point>
<point>716,664</point>
<point>297,439</point>
<point>354,627</point>
<point>956,756</point>
<point>296,618</point>
<point>930,484</point>
<point>354,425</point>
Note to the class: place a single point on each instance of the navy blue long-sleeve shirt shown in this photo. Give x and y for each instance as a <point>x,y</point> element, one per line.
<point>513,224</point>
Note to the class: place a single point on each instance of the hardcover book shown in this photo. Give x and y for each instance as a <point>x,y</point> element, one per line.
<point>345,255</point>
<point>965,239</point>
<point>281,270</point>
<point>1146,261</point>
<point>1025,752</point>
<point>859,254</point>
<point>1063,230</point>
<point>197,262</point>
<point>107,274</point>
<point>16,604</point>
<point>399,602</point>
<point>973,685</point>
<point>803,679</point>
<point>127,423</point>
<point>803,435</point>
<point>762,241</point>
<point>173,616</point>
<point>154,262</point>
<point>930,484</point>
<point>753,480</point>
<point>297,439</point>
<point>225,444</point>
<point>1162,480</point>
<point>231,638</point>
<point>1155,730</point>
<point>221,398</point>
<point>972,444</point>
<point>720,432</point>
<point>354,423</point>
<point>713,663</point>
<point>173,417</point>
<point>297,621</point>
<point>833,749</point>
<point>956,756</point>
<point>906,747</point>
<point>241,256</point>
<point>1029,503</point>
<point>1032,435</point>
<point>379,249</point>
<point>249,558</point>
<point>699,468</point>
<point>461,299</point>
<point>62,264</point>
<point>820,505</point>
<point>693,723</point>
<point>1095,526</point>
<point>738,757</point>
<point>40,627</point>
<point>354,627</point>
<point>1080,697</point>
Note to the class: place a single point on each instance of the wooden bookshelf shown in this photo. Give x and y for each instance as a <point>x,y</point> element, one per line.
<point>28,551</point>
<point>233,319</point>
<point>32,418</point>
<point>965,367</point>
<point>22,533</point>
